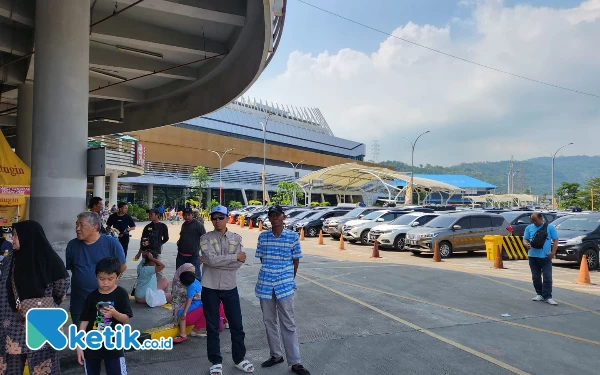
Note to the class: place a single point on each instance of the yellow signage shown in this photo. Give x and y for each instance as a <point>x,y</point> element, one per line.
<point>15,179</point>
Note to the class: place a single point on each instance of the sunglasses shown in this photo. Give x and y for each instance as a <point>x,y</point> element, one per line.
<point>218,218</point>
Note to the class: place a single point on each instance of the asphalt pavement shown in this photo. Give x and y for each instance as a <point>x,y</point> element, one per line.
<point>402,315</point>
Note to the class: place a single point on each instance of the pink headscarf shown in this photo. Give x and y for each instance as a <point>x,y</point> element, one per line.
<point>178,289</point>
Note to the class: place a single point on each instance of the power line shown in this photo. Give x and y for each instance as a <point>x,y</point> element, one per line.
<point>449,54</point>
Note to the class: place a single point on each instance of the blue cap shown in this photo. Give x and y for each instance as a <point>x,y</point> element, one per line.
<point>219,210</point>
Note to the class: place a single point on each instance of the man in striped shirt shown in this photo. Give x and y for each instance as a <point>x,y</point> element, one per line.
<point>279,252</point>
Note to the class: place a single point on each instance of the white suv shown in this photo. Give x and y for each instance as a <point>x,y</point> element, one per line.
<point>392,235</point>
<point>358,230</point>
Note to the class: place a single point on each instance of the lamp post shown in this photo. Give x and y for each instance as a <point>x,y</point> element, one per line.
<point>264,172</point>
<point>412,163</point>
<point>220,155</point>
<point>553,157</point>
<point>295,166</point>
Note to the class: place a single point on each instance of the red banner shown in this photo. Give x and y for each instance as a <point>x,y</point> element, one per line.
<point>18,190</point>
<point>140,154</point>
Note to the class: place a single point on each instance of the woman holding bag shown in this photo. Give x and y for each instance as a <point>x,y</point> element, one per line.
<point>33,271</point>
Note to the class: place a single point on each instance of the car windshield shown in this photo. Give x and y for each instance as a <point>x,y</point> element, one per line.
<point>295,213</point>
<point>579,224</point>
<point>441,222</point>
<point>373,215</point>
<point>308,214</point>
<point>510,216</point>
<point>355,212</point>
<point>404,220</point>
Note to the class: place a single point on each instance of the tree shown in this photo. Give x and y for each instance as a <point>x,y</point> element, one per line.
<point>199,182</point>
<point>285,192</point>
<point>568,194</point>
<point>585,194</point>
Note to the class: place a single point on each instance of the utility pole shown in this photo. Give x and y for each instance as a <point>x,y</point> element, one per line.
<point>511,176</point>
<point>375,148</point>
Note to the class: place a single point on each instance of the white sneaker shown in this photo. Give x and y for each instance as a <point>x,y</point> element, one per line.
<point>226,325</point>
<point>550,301</point>
<point>538,298</point>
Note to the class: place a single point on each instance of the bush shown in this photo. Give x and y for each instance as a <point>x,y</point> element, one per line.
<point>235,205</point>
<point>192,202</point>
<point>325,204</point>
<point>142,215</point>
<point>315,204</point>
<point>212,204</point>
<point>254,203</point>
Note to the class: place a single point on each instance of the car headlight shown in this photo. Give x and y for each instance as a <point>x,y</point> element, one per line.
<point>386,231</point>
<point>332,223</point>
<point>575,241</point>
<point>428,235</point>
<point>300,224</point>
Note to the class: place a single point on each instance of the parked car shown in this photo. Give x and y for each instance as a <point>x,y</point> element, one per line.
<point>243,210</point>
<point>314,224</point>
<point>579,235</point>
<point>358,230</point>
<point>460,231</point>
<point>333,226</point>
<point>291,214</point>
<point>290,221</point>
<point>392,235</point>
<point>519,220</point>
<point>253,215</point>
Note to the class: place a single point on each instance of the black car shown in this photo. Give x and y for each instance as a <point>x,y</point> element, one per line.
<point>519,220</point>
<point>579,235</point>
<point>313,224</point>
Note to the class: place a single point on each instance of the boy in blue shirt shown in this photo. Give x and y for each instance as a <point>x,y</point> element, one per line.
<point>192,313</point>
<point>540,260</point>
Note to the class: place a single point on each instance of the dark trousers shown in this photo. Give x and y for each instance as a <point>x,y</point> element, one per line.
<point>124,241</point>
<point>194,259</point>
<point>113,366</point>
<point>211,299</point>
<point>539,267</point>
<point>75,319</point>
<point>44,361</point>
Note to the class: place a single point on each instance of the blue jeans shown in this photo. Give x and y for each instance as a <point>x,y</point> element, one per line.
<point>539,267</point>
<point>194,259</point>
<point>211,299</point>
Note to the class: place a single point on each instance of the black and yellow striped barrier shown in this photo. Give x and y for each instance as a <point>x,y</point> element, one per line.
<point>513,248</point>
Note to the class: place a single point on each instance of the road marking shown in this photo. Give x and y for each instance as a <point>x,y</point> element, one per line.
<point>464,311</point>
<point>417,328</point>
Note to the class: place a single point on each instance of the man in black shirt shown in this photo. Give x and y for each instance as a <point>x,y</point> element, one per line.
<point>154,236</point>
<point>188,246</point>
<point>123,223</point>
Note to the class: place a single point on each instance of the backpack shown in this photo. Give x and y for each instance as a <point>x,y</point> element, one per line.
<point>539,238</point>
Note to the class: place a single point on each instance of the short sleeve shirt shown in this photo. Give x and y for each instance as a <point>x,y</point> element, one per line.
<point>547,248</point>
<point>121,223</point>
<point>277,271</point>
<point>194,291</point>
<point>146,280</point>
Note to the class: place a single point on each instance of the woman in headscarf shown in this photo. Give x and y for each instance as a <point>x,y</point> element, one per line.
<point>37,272</point>
<point>179,291</point>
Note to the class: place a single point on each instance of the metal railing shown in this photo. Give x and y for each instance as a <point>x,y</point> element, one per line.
<point>120,150</point>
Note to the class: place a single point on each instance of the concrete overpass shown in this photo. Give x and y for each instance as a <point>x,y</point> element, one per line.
<point>70,69</point>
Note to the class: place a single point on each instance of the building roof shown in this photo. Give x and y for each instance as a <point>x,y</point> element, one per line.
<point>462,181</point>
<point>301,128</point>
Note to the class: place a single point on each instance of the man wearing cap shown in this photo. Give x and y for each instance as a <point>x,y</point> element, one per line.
<point>154,236</point>
<point>222,255</point>
<point>279,253</point>
<point>188,245</point>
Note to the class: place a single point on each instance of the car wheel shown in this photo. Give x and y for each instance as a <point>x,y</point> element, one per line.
<point>364,237</point>
<point>335,237</point>
<point>592,258</point>
<point>352,241</point>
<point>399,242</point>
<point>415,252</point>
<point>445,249</point>
<point>312,232</point>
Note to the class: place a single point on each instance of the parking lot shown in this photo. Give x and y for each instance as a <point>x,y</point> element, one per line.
<point>404,314</point>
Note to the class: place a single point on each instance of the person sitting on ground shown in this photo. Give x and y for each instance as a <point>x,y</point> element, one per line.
<point>192,313</point>
<point>147,270</point>
<point>105,307</point>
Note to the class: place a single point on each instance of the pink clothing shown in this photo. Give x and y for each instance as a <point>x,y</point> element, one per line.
<point>197,319</point>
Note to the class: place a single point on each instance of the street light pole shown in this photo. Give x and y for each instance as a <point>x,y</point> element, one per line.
<point>553,157</point>
<point>264,172</point>
<point>294,203</point>
<point>412,163</point>
<point>220,173</point>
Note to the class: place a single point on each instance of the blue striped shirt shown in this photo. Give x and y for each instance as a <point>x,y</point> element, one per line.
<point>277,271</point>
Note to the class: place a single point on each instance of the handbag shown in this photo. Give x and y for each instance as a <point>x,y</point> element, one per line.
<point>30,303</point>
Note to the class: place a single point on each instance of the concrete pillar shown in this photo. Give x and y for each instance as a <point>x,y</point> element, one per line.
<point>208,196</point>
<point>151,195</point>
<point>322,198</point>
<point>24,122</point>
<point>60,116</point>
<point>113,188</point>
<point>244,197</point>
<point>100,187</point>
<point>254,195</point>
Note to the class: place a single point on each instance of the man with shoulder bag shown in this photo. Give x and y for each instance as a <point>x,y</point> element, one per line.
<point>541,240</point>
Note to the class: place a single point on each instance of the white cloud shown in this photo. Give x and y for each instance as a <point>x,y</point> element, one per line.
<point>473,113</point>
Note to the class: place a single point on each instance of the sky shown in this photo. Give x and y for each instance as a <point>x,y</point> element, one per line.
<point>373,87</point>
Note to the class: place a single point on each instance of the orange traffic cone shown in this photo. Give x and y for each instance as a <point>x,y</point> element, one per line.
<point>498,264</point>
<point>250,225</point>
<point>301,234</point>
<point>231,221</point>
<point>375,253</point>
<point>260,226</point>
<point>437,257</point>
<point>321,238</point>
<point>584,272</point>
<point>341,243</point>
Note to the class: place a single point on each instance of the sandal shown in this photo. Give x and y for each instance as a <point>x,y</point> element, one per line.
<point>245,366</point>
<point>299,369</point>
<point>216,369</point>
<point>198,334</point>
<point>179,339</point>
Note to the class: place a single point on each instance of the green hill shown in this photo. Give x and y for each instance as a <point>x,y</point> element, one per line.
<point>534,174</point>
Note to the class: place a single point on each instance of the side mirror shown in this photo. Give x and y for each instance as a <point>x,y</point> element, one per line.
<point>520,222</point>
<point>380,220</point>
<point>322,219</point>
<point>414,224</point>
<point>361,216</point>
<point>456,227</point>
